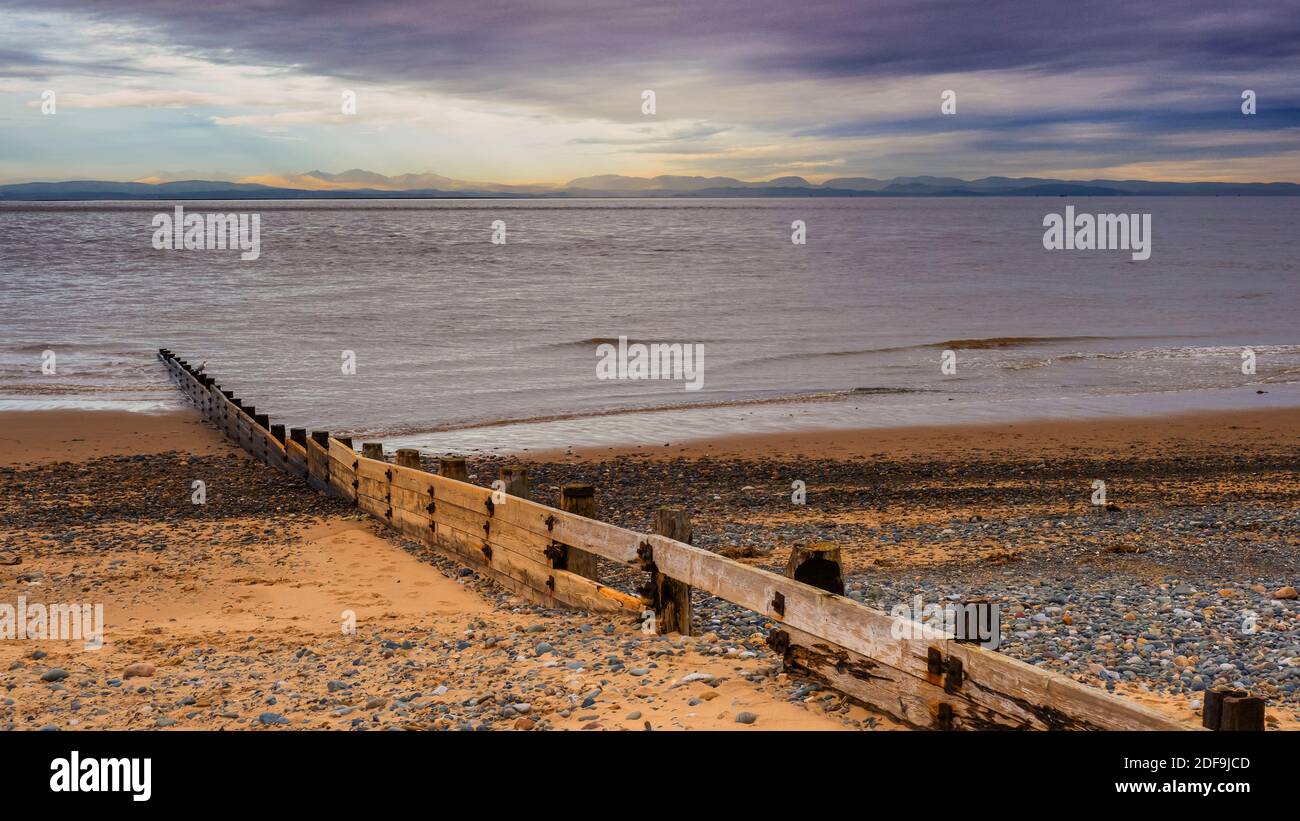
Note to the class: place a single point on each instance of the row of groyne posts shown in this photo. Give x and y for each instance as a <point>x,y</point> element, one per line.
<point>912,673</point>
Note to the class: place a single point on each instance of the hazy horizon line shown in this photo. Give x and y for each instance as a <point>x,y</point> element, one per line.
<point>293,179</point>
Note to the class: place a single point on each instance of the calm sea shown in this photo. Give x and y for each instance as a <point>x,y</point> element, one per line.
<point>461,343</point>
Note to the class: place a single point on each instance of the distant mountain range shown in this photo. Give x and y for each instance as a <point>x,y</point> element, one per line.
<point>359,184</point>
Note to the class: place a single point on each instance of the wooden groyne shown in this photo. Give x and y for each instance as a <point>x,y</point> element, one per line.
<point>547,555</point>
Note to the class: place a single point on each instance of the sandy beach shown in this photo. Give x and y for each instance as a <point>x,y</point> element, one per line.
<point>228,614</point>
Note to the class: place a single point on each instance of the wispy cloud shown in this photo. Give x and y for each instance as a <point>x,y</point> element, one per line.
<point>545,90</point>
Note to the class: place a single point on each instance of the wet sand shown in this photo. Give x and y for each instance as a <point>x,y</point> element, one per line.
<point>32,437</point>
<point>1271,430</point>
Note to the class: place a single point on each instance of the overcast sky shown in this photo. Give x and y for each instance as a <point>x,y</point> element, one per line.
<point>549,90</point>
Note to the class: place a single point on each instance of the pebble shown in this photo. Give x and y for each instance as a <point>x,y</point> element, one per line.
<point>141,669</point>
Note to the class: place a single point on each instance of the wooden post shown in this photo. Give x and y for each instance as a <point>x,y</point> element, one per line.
<point>817,564</point>
<point>516,479</point>
<point>453,467</point>
<point>278,432</point>
<point>318,465</point>
<point>347,440</point>
<point>1226,709</point>
<point>298,435</point>
<point>263,421</point>
<point>1211,713</point>
<point>580,500</point>
<point>375,450</point>
<point>408,458</point>
<point>1242,713</point>
<point>670,598</point>
<point>245,437</point>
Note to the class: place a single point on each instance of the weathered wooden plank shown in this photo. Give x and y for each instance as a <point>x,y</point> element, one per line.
<point>342,479</point>
<point>504,558</point>
<point>469,548</point>
<point>409,500</point>
<point>378,508</point>
<point>1058,700</point>
<point>571,529</point>
<point>873,634</point>
<point>412,493</point>
<point>532,545</point>
<point>411,525</point>
<point>903,697</point>
<point>374,488</point>
<point>296,459</point>
<point>318,465</point>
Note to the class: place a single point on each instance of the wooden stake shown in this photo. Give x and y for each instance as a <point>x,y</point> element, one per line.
<point>670,598</point>
<point>372,450</point>
<point>1243,713</point>
<point>1211,713</point>
<point>516,479</point>
<point>817,564</point>
<point>318,465</point>
<point>1226,709</point>
<point>453,467</point>
<point>581,500</point>
<point>408,458</point>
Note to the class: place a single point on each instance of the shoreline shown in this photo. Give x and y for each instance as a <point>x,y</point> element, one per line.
<point>1271,427</point>
<point>35,435</point>
<point>689,425</point>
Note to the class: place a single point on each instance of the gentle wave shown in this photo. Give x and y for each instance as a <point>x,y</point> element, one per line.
<point>991,342</point>
<point>594,341</point>
<point>789,398</point>
<point>984,343</point>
